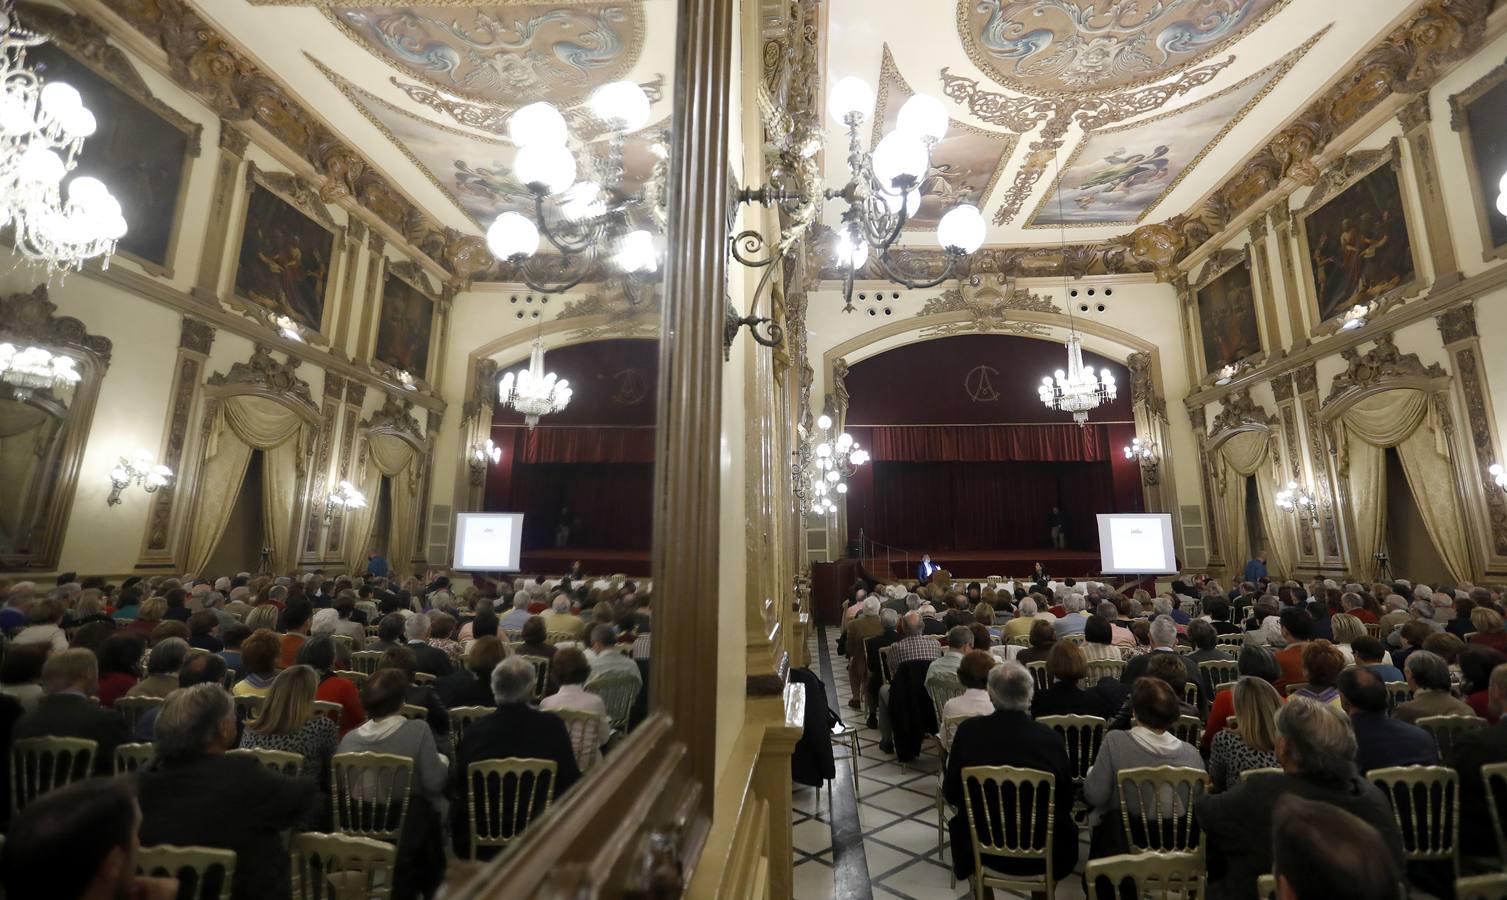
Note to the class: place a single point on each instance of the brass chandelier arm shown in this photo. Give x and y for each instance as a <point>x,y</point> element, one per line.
<point>538,281</point>
<point>590,233</point>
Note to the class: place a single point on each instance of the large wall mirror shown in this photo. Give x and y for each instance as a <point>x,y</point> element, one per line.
<point>44,422</point>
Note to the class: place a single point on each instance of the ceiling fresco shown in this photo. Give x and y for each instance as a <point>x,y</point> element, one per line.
<point>503,54</point>
<point>1054,47</point>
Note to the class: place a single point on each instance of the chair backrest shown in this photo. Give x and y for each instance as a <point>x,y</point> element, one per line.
<point>423,678</point>
<point>369,792</point>
<point>1373,629</point>
<point>1038,670</point>
<point>130,757</point>
<point>1100,669</point>
<point>415,711</point>
<point>1425,806</point>
<point>561,637</point>
<point>1481,887</point>
<point>283,762</point>
<point>346,641</point>
<point>585,730</point>
<point>1018,640</point>
<point>338,866</point>
<point>1189,728</point>
<point>1220,672</point>
<point>1229,640</point>
<point>42,764</point>
<point>504,795</point>
<point>1261,770</point>
<point>511,635</point>
<point>618,693</point>
<point>886,670</point>
<point>1266,887</point>
<point>1009,812</point>
<point>940,692</point>
<point>1190,693</point>
<point>950,728</point>
<point>329,709</point>
<point>461,718</point>
<point>541,672</point>
<point>132,708</point>
<point>1446,729</point>
<point>1166,876</point>
<point>249,706</point>
<point>354,677</point>
<point>1398,692</point>
<point>203,873</point>
<point>365,661</point>
<point>1156,806</point>
<point>1494,776</point>
<point>1293,687</point>
<point>1081,735</point>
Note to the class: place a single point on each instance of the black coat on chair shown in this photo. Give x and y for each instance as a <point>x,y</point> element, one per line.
<point>812,762</point>
<point>911,713</point>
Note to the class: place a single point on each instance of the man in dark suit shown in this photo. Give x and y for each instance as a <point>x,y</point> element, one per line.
<point>69,709</point>
<point>890,622</point>
<point>1471,751</point>
<point>1164,640</point>
<point>1316,751</point>
<point>926,569</point>
<point>429,659</point>
<point>1381,741</point>
<point>1010,737</point>
<point>515,731</point>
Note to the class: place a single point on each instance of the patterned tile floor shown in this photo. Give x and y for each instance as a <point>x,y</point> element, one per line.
<point>885,845</point>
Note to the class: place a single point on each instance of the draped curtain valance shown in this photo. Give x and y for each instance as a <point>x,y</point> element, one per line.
<point>1247,454</point>
<point>990,443</point>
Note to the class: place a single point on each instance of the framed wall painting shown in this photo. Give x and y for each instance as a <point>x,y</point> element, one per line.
<point>285,260</point>
<point>1476,113</point>
<point>1225,307</point>
<point>141,148</point>
<point>1355,236</point>
<point>405,325</point>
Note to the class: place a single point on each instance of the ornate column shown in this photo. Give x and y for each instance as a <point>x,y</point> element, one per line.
<point>426,481</point>
<point>1487,518</point>
<point>371,296</point>
<point>1150,411</point>
<point>1287,411</point>
<point>159,543</point>
<point>1331,557</point>
<point>475,427</point>
<point>1281,219</point>
<point>217,230</point>
<point>1212,557</point>
<point>1415,118</point>
<point>1186,317</point>
<point>355,234</point>
<point>1263,269</point>
<point>355,395</point>
<point>329,423</point>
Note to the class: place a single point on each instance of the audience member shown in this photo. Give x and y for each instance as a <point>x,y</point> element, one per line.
<point>44,616</point>
<point>569,669</point>
<point>1428,676</point>
<point>288,721</point>
<point>1489,628</point>
<point>1476,666</point>
<point>1321,852</point>
<point>1322,665</point>
<point>1381,740</point>
<point>21,674</point>
<point>973,676</point>
<point>259,655</point>
<point>1468,754</point>
<point>319,655</point>
<point>942,674</point>
<point>1252,660</point>
<point>71,680</point>
<point>471,685</point>
<point>163,664</point>
<point>1253,744</point>
<point>1067,695</point>
<point>1164,641</point>
<point>560,621</point>
<point>535,639</point>
<point>605,659</point>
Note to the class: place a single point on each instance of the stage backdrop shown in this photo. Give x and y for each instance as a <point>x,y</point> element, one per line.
<point>965,457</point>
<point>591,467</point>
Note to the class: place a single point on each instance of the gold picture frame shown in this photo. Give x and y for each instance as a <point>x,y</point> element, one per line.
<point>1214,270</point>
<point>412,275</point>
<point>1493,84</point>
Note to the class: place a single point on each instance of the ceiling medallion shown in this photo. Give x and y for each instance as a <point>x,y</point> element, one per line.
<point>1057,48</point>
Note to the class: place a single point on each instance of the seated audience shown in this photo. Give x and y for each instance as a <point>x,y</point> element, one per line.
<point>850,643</point>
<point>199,668</point>
<point>471,685</point>
<point>1476,666</point>
<point>914,644</point>
<point>1253,660</point>
<point>44,616</point>
<point>287,721</point>
<point>438,717</point>
<point>1253,744</point>
<point>1150,742</point>
<point>319,654</point>
<point>1009,737</point>
<point>942,674</point>
<point>1381,740</point>
<point>606,661</point>
<point>1098,638</point>
<point>1164,641</point>
<point>569,669</point>
<point>1428,676</point>
<point>1322,665</point>
<point>345,609</point>
<point>1067,668</point>
<point>514,730</point>
<point>296,619</point>
<point>1468,754</point>
<point>233,636</point>
<point>194,794</point>
<point>71,680</point>
<point>21,674</point>
<point>1490,629</point>
<point>1316,751</point>
<point>259,655</point>
<point>441,637</point>
<point>1041,636</point>
<point>149,616</point>
<point>1346,629</point>
<point>1321,852</point>
<point>163,664</point>
<point>429,659</point>
<point>202,631</point>
<point>973,675</point>
<point>534,639</point>
<point>559,619</point>
<point>1297,630</point>
<point>389,633</point>
<point>1370,654</point>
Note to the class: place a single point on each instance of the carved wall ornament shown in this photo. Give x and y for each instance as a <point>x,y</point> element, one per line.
<point>1241,412</point>
<point>293,188</point>
<point>839,387</point>
<point>1415,113</point>
<point>1482,442</point>
<point>196,336</point>
<point>268,376</point>
<point>988,301</point>
<point>232,139</point>
<point>1345,170</point>
<point>415,275</point>
<point>159,520</point>
<point>396,416</point>
<point>32,318</point>
<point>355,393</point>
<point>334,385</point>
<point>1457,323</point>
<point>1383,362</point>
<point>1282,387</point>
<point>1222,261</point>
<point>1143,391</point>
<point>483,391</point>
<point>1306,379</point>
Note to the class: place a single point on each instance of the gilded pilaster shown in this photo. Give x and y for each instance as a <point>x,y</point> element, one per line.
<point>158,544</point>
<point>217,229</point>
<point>1281,219</point>
<point>1487,506</point>
<point>1415,118</point>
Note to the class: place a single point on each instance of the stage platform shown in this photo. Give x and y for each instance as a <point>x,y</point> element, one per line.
<point>979,564</point>
<point>595,562</point>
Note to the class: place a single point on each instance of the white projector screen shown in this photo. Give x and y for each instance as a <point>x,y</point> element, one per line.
<point>1136,544</point>
<point>488,542</point>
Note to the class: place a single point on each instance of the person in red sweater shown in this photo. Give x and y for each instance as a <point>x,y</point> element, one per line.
<point>296,620</point>
<point>319,654</point>
<point>119,665</point>
<point>1297,631</point>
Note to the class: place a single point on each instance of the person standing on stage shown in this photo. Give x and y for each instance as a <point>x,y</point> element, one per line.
<point>927,568</point>
<point>1058,526</point>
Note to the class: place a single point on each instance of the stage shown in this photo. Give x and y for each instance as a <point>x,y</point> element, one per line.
<point>980,564</point>
<point>600,563</point>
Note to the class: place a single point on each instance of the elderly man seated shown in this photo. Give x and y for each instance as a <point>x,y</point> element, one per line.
<point>913,645</point>
<point>559,619</point>
<point>1315,747</point>
<point>606,661</point>
<point>1009,737</point>
<point>865,626</point>
<point>943,671</point>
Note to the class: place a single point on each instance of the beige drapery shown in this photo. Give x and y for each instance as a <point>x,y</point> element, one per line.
<point>1247,454</point>
<point>28,440</point>
<point>245,423</point>
<point>390,456</point>
<point>1407,419</point>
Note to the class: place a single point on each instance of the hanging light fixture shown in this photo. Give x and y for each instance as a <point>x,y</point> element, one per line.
<point>1080,388</point>
<point>29,369</point>
<point>832,461</point>
<point>481,454</point>
<point>344,497</point>
<point>1498,475</point>
<point>533,392</point>
<point>1298,499</point>
<point>42,128</point>
<point>138,469</point>
<point>591,224</point>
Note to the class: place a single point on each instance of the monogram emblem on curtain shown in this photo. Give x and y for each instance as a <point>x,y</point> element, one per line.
<point>980,389</point>
<point>630,387</point>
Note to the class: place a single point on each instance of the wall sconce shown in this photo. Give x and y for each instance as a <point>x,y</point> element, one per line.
<point>1498,475</point>
<point>1355,316</point>
<point>1296,498</point>
<point>1228,373</point>
<point>1145,452</point>
<point>405,379</point>
<point>137,470</point>
<point>287,328</point>
<point>480,455</point>
<point>342,498</point>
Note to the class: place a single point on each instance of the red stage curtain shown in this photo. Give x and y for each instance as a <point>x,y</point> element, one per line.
<point>609,505</point>
<point>942,506</point>
<point>588,445</point>
<point>989,443</point>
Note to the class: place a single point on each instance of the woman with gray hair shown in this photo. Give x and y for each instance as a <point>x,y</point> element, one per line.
<point>194,794</point>
<point>1253,660</point>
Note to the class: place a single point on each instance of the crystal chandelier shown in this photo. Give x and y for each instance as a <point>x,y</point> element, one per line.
<point>834,460</point>
<point>1296,498</point>
<point>42,128</point>
<point>1079,389</point>
<point>137,470</point>
<point>35,368</point>
<point>533,392</point>
<point>587,222</point>
<point>345,496</point>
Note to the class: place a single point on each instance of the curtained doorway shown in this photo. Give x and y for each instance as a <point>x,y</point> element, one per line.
<point>1254,526</point>
<point>1412,551</point>
<point>381,519</point>
<point>240,546</point>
